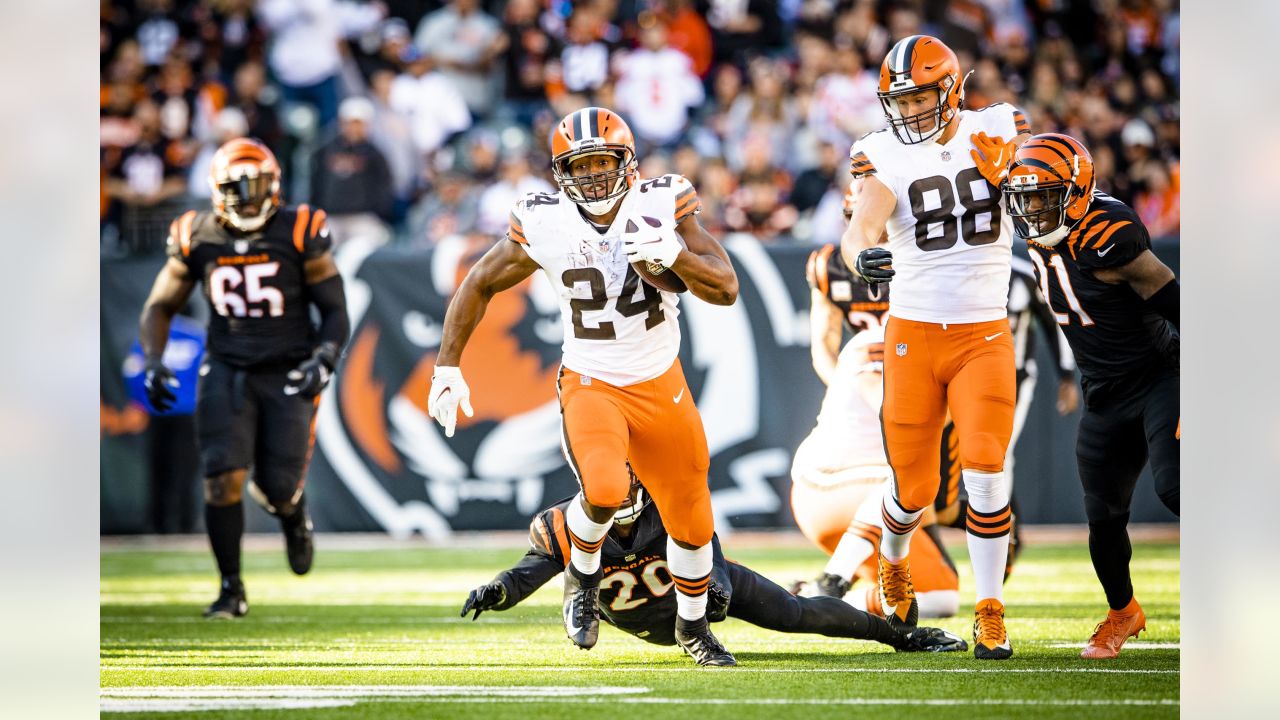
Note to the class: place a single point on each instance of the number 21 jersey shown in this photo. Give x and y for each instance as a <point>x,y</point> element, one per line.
<point>950,238</point>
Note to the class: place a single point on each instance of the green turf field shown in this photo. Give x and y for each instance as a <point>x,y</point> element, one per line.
<point>375,634</point>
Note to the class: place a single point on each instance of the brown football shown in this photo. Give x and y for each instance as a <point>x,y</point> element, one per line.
<point>652,273</point>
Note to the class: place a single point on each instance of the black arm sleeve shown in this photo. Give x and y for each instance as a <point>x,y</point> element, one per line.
<point>1165,302</point>
<point>331,300</point>
<point>532,572</point>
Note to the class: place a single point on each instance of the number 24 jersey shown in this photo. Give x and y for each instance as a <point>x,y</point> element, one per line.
<point>950,238</point>
<point>617,328</point>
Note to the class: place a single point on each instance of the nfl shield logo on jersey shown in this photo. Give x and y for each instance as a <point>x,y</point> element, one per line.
<point>242,246</point>
<point>902,349</point>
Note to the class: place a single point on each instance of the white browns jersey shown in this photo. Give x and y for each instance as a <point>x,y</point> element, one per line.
<point>846,444</point>
<point>617,328</point>
<point>949,234</point>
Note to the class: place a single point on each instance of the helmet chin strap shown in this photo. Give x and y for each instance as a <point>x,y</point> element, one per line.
<point>1054,237</point>
<point>601,207</point>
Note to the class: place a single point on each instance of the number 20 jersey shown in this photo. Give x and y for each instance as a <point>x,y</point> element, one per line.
<point>950,237</point>
<point>255,283</point>
<point>617,328</point>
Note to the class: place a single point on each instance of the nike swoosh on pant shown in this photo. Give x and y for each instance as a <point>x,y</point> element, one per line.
<point>989,338</point>
<point>679,396</point>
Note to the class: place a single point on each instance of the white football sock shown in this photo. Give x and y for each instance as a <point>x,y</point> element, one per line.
<point>988,531</point>
<point>691,570</point>
<point>586,536</point>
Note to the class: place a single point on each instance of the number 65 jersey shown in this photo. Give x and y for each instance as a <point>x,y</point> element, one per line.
<point>950,239</point>
<point>255,284</point>
<point>617,328</point>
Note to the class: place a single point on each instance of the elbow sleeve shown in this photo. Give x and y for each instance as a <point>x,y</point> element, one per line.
<point>335,327</point>
<point>1165,302</point>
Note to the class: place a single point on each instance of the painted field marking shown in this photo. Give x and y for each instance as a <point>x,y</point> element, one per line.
<point>390,667</point>
<point>221,697</point>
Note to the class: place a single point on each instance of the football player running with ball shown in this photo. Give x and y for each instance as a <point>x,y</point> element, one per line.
<point>262,266</point>
<point>623,395</point>
<point>931,179</point>
<point>1118,305</point>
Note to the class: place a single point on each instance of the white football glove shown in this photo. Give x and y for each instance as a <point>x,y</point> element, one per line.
<point>448,391</point>
<point>652,243</point>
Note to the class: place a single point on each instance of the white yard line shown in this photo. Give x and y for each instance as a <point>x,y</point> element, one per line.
<point>132,668</point>
<point>220,697</point>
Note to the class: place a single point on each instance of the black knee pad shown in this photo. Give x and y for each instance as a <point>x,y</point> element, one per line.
<point>277,493</point>
<point>224,489</point>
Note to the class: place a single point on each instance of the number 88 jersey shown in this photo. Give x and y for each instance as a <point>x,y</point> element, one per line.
<point>950,237</point>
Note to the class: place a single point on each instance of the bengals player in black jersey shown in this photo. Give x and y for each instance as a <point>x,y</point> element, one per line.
<point>1118,306</point>
<point>262,266</point>
<point>636,592</point>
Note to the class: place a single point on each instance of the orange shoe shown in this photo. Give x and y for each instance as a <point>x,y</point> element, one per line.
<point>873,601</point>
<point>1111,634</point>
<point>898,595</point>
<point>990,639</point>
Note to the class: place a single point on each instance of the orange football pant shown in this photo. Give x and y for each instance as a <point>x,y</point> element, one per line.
<point>654,425</point>
<point>825,514</point>
<point>930,368</point>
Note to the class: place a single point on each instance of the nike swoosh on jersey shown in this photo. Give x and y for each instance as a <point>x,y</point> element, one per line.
<point>1104,252</point>
<point>679,396</point>
<point>989,338</point>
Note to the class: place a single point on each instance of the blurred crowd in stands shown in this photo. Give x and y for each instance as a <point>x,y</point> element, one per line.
<point>413,120</point>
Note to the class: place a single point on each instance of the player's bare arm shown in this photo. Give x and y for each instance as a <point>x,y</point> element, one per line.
<point>705,267</point>
<point>825,332</point>
<point>168,294</point>
<point>874,205</point>
<point>1152,280</point>
<point>502,267</point>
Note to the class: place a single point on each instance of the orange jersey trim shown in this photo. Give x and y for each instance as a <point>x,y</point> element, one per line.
<point>184,231</point>
<point>515,230</point>
<point>317,221</point>
<point>300,227</point>
<point>820,268</point>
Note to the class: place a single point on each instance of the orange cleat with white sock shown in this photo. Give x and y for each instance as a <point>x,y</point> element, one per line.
<point>1111,634</point>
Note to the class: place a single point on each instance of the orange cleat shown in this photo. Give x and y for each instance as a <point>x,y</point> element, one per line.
<point>898,595</point>
<point>990,639</point>
<point>1111,634</point>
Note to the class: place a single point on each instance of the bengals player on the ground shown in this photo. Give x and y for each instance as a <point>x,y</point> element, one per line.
<point>931,179</point>
<point>1118,305</point>
<point>623,395</point>
<point>636,591</point>
<point>262,266</point>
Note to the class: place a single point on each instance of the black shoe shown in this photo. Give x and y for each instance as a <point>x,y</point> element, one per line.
<point>231,603</point>
<point>929,639</point>
<point>581,612</point>
<point>298,541</point>
<point>832,586</point>
<point>697,640</point>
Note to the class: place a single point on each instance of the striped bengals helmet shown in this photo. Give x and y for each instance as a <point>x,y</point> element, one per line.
<point>245,182</point>
<point>918,63</point>
<point>1049,187</point>
<point>594,131</point>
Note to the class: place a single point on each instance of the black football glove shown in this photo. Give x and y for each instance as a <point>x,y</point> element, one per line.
<point>160,382</point>
<point>311,377</point>
<point>485,597</point>
<point>873,265</point>
<point>717,602</point>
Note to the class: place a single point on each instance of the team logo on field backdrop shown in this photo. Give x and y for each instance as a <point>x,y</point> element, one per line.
<point>376,440</point>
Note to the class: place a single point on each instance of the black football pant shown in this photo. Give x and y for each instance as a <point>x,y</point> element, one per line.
<point>1126,423</point>
<point>760,601</point>
<point>245,420</point>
